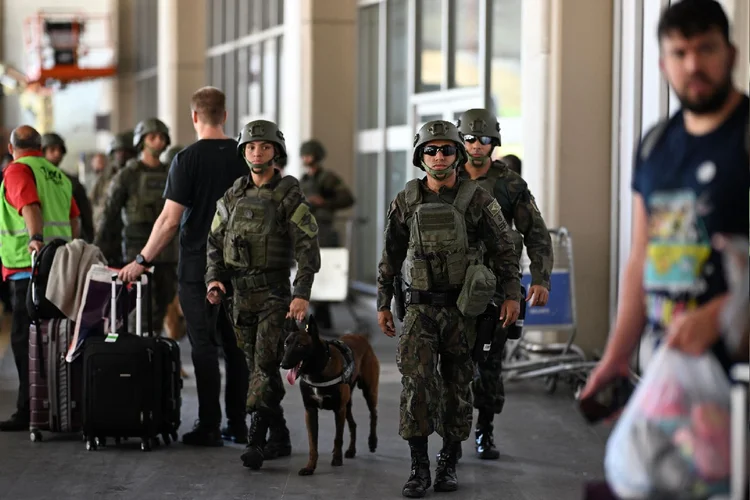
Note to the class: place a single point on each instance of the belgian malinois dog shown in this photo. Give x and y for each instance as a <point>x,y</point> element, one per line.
<point>329,370</point>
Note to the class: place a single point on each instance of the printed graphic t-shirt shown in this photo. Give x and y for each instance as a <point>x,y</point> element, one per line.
<point>693,188</point>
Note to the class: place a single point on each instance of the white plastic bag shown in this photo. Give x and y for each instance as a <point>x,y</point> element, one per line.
<point>673,438</point>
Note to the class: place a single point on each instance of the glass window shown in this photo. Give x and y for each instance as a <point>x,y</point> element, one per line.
<point>230,20</point>
<point>366,235</point>
<point>218,22</point>
<point>506,58</point>
<point>431,44</point>
<point>369,67</point>
<point>256,15</point>
<point>217,79</point>
<point>255,82</point>
<point>230,88</point>
<point>466,56</point>
<point>269,78</point>
<point>281,11</point>
<point>422,119</point>
<point>398,14</point>
<point>243,77</point>
<point>243,15</point>
<point>279,79</point>
<point>396,163</point>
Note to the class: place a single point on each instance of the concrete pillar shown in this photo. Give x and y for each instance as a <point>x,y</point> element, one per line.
<point>123,88</point>
<point>328,80</point>
<point>570,59</point>
<point>181,63</point>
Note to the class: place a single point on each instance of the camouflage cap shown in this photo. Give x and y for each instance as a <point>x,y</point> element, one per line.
<point>481,123</point>
<point>314,148</point>
<point>438,130</point>
<point>262,130</point>
<point>53,139</point>
<point>148,126</point>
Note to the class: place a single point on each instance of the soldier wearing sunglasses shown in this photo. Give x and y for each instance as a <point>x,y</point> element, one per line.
<point>437,230</point>
<point>481,135</point>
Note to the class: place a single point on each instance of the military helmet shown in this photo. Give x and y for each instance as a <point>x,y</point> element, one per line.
<point>314,148</point>
<point>168,155</point>
<point>52,139</point>
<point>146,127</point>
<point>262,130</point>
<point>123,140</point>
<point>438,130</point>
<point>481,123</point>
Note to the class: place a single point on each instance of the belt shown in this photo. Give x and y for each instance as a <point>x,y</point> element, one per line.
<point>252,281</point>
<point>438,299</point>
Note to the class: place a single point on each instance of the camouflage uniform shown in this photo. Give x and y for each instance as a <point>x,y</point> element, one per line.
<point>120,143</point>
<point>256,233</point>
<point>134,202</point>
<point>519,209</point>
<point>79,191</point>
<point>419,236</point>
<point>331,188</point>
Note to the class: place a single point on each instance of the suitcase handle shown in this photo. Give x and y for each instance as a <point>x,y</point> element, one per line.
<point>37,324</point>
<point>147,277</point>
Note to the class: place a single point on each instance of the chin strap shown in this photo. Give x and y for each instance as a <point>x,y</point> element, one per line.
<point>258,168</point>
<point>442,174</point>
<point>478,161</point>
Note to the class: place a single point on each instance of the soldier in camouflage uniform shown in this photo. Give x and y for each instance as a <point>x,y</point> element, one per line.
<point>135,198</point>
<point>481,133</point>
<point>436,228</point>
<point>54,150</point>
<point>120,151</point>
<point>261,224</point>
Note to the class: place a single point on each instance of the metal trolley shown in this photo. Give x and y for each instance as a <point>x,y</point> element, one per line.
<point>332,284</point>
<point>566,361</point>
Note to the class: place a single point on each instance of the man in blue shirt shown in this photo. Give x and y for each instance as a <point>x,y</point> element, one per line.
<point>691,181</point>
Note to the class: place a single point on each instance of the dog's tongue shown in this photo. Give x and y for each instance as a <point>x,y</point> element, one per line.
<point>291,375</point>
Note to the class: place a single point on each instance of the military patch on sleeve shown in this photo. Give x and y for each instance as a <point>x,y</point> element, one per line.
<point>216,221</point>
<point>304,220</point>
<point>494,208</point>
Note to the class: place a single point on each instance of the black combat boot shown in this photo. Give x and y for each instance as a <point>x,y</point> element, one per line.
<point>485,443</point>
<point>279,444</point>
<point>459,452</point>
<point>445,472</point>
<point>252,457</point>
<point>419,479</point>
<point>235,432</point>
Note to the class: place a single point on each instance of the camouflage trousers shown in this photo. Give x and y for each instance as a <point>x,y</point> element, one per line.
<point>434,358</point>
<point>487,386</point>
<point>163,292</point>
<point>260,335</point>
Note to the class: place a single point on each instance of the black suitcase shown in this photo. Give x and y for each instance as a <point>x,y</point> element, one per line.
<point>171,380</point>
<point>123,381</point>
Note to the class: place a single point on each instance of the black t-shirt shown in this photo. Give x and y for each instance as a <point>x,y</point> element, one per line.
<point>693,188</point>
<point>198,177</point>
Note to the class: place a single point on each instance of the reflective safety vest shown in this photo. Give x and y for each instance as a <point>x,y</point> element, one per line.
<point>55,194</point>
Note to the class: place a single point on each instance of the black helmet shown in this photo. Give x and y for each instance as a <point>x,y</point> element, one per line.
<point>435,131</point>
<point>481,123</point>
<point>146,127</point>
<point>313,148</point>
<point>53,139</point>
<point>262,130</point>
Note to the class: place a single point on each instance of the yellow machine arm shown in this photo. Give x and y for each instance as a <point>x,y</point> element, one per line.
<point>33,98</point>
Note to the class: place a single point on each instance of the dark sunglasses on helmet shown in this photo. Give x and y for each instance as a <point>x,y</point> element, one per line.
<point>471,139</point>
<point>446,150</point>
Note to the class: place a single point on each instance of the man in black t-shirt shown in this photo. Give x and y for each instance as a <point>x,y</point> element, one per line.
<point>199,175</point>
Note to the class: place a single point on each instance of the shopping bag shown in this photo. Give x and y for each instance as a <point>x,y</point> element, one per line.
<point>673,439</point>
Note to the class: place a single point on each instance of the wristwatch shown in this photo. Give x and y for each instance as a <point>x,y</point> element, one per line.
<point>141,260</point>
<point>37,237</point>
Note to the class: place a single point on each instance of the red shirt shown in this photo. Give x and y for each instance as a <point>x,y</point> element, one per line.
<point>20,191</point>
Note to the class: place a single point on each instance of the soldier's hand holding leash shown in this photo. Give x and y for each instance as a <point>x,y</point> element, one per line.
<point>216,292</point>
<point>385,321</point>
<point>298,309</point>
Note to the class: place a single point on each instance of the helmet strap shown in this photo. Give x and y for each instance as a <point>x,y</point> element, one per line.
<point>478,161</point>
<point>258,168</point>
<point>439,174</point>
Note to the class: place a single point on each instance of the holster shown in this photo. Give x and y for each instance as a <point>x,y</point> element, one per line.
<point>486,325</point>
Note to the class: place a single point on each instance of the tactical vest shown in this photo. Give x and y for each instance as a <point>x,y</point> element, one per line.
<point>55,192</point>
<point>500,191</point>
<point>143,207</point>
<point>439,251</point>
<point>255,237</point>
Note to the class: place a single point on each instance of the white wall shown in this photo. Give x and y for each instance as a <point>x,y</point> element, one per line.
<point>74,107</point>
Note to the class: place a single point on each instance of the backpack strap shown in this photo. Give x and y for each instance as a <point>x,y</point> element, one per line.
<point>652,138</point>
<point>413,195</point>
<point>283,187</point>
<point>466,190</point>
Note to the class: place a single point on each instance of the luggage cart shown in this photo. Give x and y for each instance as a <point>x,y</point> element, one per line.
<point>524,359</point>
<point>332,284</point>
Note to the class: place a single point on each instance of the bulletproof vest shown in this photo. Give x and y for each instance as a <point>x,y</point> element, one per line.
<point>313,185</point>
<point>143,207</point>
<point>255,238</point>
<point>439,251</point>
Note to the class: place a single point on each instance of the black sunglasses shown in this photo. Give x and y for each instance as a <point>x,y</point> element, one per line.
<point>471,139</point>
<point>446,150</point>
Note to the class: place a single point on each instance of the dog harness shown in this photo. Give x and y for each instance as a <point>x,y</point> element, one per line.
<point>346,374</point>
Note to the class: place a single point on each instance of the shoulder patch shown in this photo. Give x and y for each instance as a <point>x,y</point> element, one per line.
<point>305,220</point>
<point>494,208</point>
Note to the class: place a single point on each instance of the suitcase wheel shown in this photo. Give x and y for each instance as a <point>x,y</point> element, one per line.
<point>91,444</point>
<point>35,436</point>
<point>145,444</point>
<point>167,440</point>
